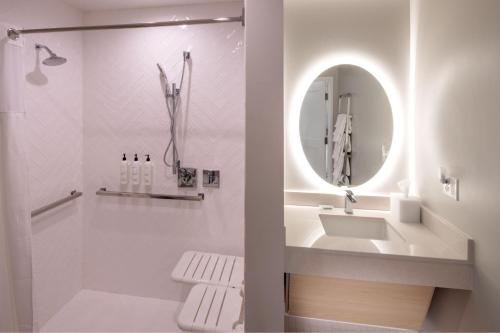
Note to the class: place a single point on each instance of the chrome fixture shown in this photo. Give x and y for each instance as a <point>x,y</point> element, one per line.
<point>104,192</point>
<point>172,100</point>
<point>72,196</point>
<point>211,178</point>
<point>187,177</point>
<point>15,33</point>
<point>54,59</point>
<point>349,200</point>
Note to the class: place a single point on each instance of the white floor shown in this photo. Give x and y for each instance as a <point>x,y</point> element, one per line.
<point>95,311</point>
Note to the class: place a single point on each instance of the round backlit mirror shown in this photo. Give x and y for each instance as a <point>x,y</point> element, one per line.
<point>346,125</point>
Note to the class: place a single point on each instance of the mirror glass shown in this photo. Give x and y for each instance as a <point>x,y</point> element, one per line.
<point>346,125</point>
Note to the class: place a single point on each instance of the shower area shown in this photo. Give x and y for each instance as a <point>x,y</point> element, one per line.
<point>153,251</point>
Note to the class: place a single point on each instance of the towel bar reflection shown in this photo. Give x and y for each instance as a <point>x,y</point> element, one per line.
<point>103,191</point>
<point>73,195</point>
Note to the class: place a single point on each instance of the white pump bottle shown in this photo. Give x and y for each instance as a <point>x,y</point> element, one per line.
<point>136,171</point>
<point>124,171</point>
<point>147,171</point>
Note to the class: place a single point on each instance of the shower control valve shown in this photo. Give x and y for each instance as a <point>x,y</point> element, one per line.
<point>186,177</point>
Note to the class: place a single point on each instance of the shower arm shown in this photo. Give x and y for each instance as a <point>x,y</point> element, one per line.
<point>40,46</point>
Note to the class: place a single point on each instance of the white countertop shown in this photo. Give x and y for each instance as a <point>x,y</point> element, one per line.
<point>433,253</point>
<point>304,229</point>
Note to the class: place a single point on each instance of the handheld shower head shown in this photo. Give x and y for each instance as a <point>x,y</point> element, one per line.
<point>53,59</point>
<point>162,72</point>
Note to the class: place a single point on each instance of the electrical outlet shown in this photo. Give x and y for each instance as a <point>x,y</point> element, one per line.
<point>451,188</point>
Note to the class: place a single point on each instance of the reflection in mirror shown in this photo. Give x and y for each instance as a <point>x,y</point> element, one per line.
<point>346,125</point>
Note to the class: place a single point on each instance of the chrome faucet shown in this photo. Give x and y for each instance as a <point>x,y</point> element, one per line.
<point>349,200</point>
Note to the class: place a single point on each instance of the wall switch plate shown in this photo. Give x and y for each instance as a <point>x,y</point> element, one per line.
<point>451,188</point>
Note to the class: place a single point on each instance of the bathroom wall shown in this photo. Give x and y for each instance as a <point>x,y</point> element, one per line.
<point>132,245</point>
<point>54,133</point>
<point>374,31</point>
<point>458,127</point>
<point>264,226</point>
<point>7,315</point>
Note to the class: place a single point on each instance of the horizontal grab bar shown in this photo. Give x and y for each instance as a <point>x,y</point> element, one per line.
<point>73,195</point>
<point>103,191</point>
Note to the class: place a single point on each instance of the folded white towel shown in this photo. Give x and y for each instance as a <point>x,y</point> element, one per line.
<point>342,145</point>
<point>338,148</point>
<point>337,168</point>
<point>340,126</point>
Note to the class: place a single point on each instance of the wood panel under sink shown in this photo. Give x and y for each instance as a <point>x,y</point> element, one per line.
<point>363,302</point>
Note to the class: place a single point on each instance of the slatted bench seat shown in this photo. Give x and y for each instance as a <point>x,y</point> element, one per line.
<point>211,308</point>
<point>209,268</point>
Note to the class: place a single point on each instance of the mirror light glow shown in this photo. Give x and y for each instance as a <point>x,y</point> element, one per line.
<point>295,145</point>
<point>412,159</point>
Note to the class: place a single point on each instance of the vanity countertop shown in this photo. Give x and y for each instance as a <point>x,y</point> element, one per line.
<point>304,229</point>
<point>435,248</point>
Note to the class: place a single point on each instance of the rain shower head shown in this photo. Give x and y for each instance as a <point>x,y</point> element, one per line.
<point>53,59</point>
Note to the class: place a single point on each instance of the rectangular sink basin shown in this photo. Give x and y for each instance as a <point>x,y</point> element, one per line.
<point>358,227</point>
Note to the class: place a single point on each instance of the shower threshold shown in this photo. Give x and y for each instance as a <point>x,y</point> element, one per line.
<point>96,311</point>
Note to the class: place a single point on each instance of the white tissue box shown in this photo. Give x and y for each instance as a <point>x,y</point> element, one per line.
<point>405,209</point>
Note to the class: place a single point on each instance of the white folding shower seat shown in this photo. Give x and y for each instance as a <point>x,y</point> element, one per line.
<point>210,268</point>
<point>215,302</point>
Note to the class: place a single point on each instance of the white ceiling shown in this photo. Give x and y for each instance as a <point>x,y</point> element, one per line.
<point>91,5</point>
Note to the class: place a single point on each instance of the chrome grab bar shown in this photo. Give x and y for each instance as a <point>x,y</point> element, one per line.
<point>73,195</point>
<point>103,191</point>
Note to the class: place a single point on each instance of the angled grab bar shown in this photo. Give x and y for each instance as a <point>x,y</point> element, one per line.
<point>73,195</point>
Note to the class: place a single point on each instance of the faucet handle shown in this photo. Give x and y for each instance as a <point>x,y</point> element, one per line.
<point>350,195</point>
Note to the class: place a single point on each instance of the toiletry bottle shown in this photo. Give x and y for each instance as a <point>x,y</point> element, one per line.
<point>136,171</point>
<point>147,171</point>
<point>124,171</point>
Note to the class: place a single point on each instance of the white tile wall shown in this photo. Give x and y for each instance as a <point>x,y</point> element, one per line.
<point>54,126</point>
<point>132,245</point>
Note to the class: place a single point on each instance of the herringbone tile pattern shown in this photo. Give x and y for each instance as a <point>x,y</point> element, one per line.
<point>131,246</point>
<point>54,106</point>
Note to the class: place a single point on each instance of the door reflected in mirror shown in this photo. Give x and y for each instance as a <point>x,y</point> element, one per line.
<point>346,125</point>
